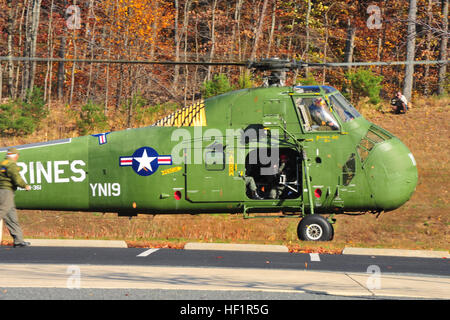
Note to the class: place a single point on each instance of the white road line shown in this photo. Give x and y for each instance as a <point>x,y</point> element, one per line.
<point>314,256</point>
<point>147,252</point>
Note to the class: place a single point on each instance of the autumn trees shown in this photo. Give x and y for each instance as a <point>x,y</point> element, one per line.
<point>443,54</point>
<point>214,30</point>
<point>410,49</point>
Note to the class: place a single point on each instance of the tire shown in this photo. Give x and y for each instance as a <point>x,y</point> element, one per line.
<point>315,228</point>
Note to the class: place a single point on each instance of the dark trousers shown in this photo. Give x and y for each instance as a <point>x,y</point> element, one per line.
<point>9,215</point>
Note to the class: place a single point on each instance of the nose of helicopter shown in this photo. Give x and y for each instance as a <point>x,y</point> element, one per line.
<point>392,174</point>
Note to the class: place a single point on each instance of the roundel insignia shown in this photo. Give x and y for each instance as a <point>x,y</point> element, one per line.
<point>145,161</point>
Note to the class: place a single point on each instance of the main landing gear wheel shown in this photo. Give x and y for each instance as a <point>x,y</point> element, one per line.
<point>315,228</point>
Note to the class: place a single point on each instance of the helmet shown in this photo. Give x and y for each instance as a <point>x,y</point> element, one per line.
<point>320,101</point>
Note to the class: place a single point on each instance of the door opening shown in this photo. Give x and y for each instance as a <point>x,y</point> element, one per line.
<point>274,180</point>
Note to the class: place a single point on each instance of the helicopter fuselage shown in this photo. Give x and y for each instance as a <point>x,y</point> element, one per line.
<point>201,158</point>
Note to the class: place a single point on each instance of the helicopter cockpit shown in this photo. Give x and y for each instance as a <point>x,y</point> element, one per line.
<point>316,114</point>
<point>317,110</point>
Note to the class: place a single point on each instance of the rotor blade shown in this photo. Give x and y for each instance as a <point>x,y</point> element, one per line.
<point>264,64</point>
<point>379,63</point>
<point>106,61</point>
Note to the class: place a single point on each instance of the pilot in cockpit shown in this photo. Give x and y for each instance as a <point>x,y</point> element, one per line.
<point>320,114</point>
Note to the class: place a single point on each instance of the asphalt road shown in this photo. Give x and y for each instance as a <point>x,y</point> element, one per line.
<point>77,273</point>
<point>225,259</point>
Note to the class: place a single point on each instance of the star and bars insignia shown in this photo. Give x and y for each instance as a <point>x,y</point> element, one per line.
<point>145,161</point>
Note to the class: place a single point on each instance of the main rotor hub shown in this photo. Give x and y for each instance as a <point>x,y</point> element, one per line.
<point>277,67</point>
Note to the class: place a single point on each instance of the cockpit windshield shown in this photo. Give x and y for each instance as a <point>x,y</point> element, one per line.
<point>343,108</point>
<point>316,114</point>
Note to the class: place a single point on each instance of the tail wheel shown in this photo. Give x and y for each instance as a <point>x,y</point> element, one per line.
<point>315,228</point>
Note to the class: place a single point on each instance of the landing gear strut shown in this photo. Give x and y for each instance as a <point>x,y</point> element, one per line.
<point>315,228</point>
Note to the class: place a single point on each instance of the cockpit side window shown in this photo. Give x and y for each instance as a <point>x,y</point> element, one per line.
<point>343,108</point>
<point>316,114</point>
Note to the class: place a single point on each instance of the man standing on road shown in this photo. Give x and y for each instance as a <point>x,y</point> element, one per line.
<point>10,179</point>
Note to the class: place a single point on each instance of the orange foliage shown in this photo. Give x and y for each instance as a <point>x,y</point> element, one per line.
<point>222,30</point>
